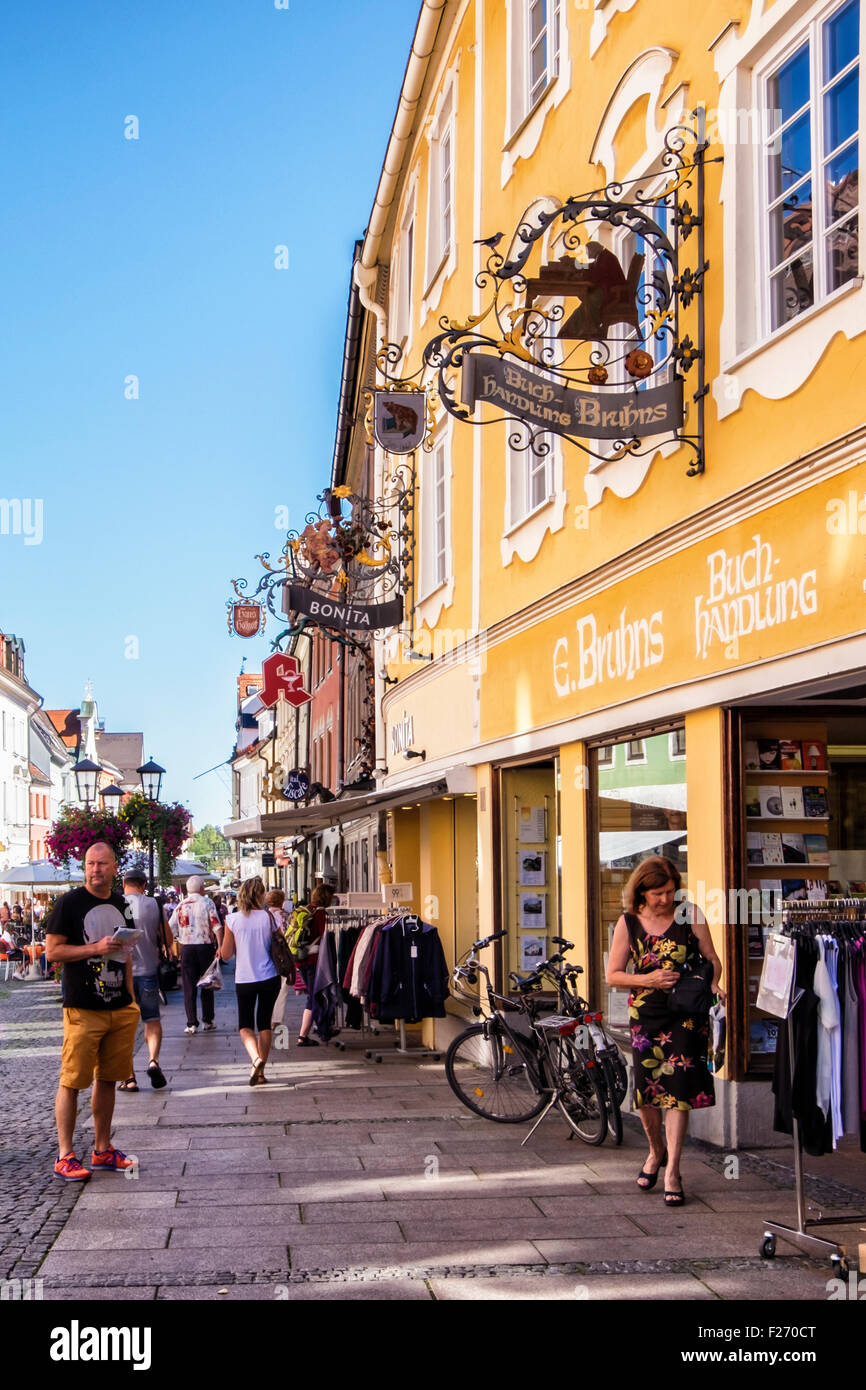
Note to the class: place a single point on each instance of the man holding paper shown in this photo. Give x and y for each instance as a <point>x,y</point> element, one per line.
<point>90,931</point>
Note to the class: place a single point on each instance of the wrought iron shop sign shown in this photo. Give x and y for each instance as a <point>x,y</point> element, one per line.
<point>349,568</point>
<point>245,619</point>
<point>590,326</point>
<point>533,397</point>
<point>341,613</point>
<point>296,786</point>
<point>399,420</point>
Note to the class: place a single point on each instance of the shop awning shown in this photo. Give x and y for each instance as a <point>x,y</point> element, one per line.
<point>306,820</point>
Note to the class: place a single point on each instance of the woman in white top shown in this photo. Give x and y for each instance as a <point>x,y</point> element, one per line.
<point>257,980</point>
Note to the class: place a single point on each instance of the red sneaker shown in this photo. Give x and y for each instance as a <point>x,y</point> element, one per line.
<point>112,1159</point>
<point>70,1169</point>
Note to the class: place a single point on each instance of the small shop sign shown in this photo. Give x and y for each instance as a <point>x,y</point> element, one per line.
<point>399,419</point>
<point>245,619</point>
<point>283,676</point>
<point>341,613</point>
<point>296,786</point>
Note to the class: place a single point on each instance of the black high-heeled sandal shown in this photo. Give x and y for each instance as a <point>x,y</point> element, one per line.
<point>651,1178</point>
<point>675,1199</point>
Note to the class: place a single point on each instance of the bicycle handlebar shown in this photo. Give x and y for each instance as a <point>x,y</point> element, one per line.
<point>485,941</point>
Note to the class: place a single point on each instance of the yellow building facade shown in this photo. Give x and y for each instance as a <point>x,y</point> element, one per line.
<point>618,641</point>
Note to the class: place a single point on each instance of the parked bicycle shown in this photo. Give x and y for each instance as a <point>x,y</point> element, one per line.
<point>516,1064</point>
<point>596,1040</point>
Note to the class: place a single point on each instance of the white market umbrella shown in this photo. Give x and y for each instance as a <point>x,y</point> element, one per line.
<point>40,873</point>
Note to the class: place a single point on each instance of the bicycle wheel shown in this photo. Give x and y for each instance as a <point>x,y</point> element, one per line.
<point>582,1103</point>
<point>488,1074</point>
<point>614,1114</point>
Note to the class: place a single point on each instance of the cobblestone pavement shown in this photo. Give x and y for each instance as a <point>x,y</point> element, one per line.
<point>34,1205</point>
<point>343,1179</point>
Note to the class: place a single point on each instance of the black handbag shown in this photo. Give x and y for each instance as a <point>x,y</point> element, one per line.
<point>693,991</point>
<point>282,956</point>
<point>167,973</point>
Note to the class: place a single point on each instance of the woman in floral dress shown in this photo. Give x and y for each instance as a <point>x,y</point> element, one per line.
<point>652,940</point>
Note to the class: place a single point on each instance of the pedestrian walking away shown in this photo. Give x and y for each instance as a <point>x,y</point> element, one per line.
<point>194,924</point>
<point>248,933</point>
<point>99,1015</point>
<point>655,939</point>
<point>320,899</point>
<point>155,935</point>
<point>274,900</point>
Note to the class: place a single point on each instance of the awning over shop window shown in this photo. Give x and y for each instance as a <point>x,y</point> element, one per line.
<point>306,820</point>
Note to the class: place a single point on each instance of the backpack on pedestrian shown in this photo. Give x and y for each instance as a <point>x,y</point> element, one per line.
<point>301,933</point>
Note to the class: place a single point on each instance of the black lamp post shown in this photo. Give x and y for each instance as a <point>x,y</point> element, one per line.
<point>86,780</point>
<point>151,775</point>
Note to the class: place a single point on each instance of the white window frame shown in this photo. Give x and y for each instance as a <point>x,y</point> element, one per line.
<point>441,239</point>
<point>605,764</point>
<point>674,756</point>
<point>407,263</point>
<point>773,366</point>
<point>633,760</point>
<point>811,33</point>
<point>436,565</point>
<point>524,96</point>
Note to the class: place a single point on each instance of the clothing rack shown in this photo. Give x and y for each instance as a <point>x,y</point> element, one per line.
<point>826,912</point>
<point>400,1048</point>
<point>339,917</point>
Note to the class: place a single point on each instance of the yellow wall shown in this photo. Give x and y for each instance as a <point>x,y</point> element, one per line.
<point>742,448</point>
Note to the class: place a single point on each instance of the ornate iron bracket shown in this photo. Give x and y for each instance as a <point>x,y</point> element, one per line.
<point>609,375</point>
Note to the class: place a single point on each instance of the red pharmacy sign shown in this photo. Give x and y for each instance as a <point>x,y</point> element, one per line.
<point>246,619</point>
<point>283,675</point>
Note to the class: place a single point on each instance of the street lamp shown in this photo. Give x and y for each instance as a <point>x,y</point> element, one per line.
<point>112,796</point>
<point>151,775</point>
<point>86,779</point>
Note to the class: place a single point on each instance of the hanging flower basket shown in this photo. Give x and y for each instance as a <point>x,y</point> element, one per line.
<point>165,823</point>
<point>79,827</point>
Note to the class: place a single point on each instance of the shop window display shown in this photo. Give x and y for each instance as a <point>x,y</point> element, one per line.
<point>640,810</point>
<point>531,859</point>
<point>804,817</point>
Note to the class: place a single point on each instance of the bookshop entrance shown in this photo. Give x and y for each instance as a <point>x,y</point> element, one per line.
<point>802,820</point>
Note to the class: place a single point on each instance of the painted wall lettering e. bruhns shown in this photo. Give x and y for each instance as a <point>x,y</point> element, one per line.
<point>746,595</point>
<point>617,654</point>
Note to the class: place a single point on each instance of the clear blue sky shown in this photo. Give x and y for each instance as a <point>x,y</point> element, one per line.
<point>155,257</point>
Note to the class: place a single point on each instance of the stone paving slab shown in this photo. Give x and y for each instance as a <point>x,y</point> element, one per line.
<point>265,1198</point>
<point>151,1265</point>
<point>156,1182</point>
<point>200,1216</point>
<point>265,1134</point>
<point>373,1291</point>
<point>113,1237</point>
<point>113,1294</point>
<point>130,1199</point>
<point>219,1237</point>
<point>421,1254</point>
<point>573,1288</point>
<point>773,1281</point>
<point>693,1245</point>
<point>435,1210</point>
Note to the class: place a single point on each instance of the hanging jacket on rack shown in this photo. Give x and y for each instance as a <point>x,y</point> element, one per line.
<point>800,1097</point>
<point>326,993</point>
<point>409,979</point>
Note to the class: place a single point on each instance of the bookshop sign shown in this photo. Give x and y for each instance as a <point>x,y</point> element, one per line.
<point>772,585</point>
<point>533,397</point>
